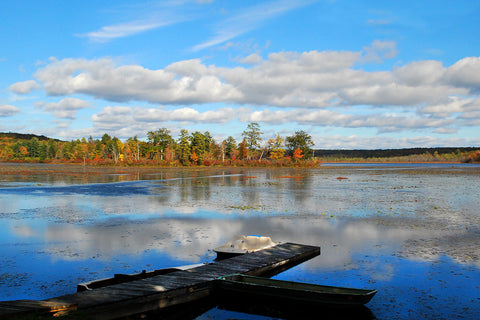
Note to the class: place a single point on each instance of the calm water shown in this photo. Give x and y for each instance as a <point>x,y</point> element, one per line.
<point>410,231</point>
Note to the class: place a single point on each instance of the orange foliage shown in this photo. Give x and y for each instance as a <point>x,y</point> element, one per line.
<point>297,154</point>
<point>194,157</point>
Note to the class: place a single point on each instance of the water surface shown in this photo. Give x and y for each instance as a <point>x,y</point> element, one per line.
<point>412,232</point>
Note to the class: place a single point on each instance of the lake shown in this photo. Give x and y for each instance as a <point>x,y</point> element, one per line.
<point>410,231</point>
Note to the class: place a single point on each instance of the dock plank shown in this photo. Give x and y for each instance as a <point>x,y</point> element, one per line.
<point>129,298</point>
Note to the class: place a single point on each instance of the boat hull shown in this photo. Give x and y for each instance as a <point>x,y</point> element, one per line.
<point>254,288</point>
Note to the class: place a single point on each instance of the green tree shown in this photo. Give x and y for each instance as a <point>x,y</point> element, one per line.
<point>230,146</point>
<point>184,147</point>
<point>52,149</point>
<point>115,148</point>
<point>300,140</point>
<point>200,145</point>
<point>33,146</point>
<point>42,152</point>
<point>160,140</point>
<point>252,137</point>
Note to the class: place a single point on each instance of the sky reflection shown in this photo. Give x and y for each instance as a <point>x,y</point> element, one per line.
<point>376,228</point>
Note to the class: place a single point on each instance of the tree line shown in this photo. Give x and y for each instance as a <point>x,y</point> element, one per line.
<point>161,148</point>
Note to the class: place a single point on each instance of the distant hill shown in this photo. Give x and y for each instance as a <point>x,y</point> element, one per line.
<point>24,136</point>
<point>386,153</point>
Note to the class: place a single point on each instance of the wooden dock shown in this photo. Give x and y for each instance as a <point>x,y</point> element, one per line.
<point>183,286</point>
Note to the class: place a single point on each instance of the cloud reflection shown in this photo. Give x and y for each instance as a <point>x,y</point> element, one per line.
<point>190,238</point>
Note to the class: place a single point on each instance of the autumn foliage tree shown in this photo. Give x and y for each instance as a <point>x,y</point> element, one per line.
<point>297,154</point>
<point>158,148</point>
<point>194,156</point>
<point>275,147</point>
<point>300,140</point>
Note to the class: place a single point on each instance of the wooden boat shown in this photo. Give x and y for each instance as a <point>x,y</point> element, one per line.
<point>122,278</point>
<point>257,288</point>
<point>243,244</point>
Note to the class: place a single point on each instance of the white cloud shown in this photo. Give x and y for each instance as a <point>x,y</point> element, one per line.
<point>253,58</point>
<point>378,51</point>
<point>117,116</point>
<point>465,73</point>
<point>286,79</point>
<point>451,105</point>
<point>24,87</point>
<point>149,16</point>
<point>100,78</point>
<point>248,20</point>
<point>121,30</point>
<point>382,142</point>
<point>8,110</point>
<point>326,118</point>
<point>317,88</point>
<point>185,114</point>
<point>66,108</point>
<point>421,73</point>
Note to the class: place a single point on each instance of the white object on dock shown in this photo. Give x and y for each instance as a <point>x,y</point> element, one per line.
<point>245,244</point>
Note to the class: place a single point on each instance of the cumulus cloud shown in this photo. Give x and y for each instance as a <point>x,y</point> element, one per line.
<point>383,142</point>
<point>185,114</point>
<point>286,79</point>
<point>24,87</point>
<point>66,108</point>
<point>8,110</point>
<point>253,58</point>
<point>420,73</point>
<point>451,105</point>
<point>119,116</point>
<point>102,79</point>
<point>465,73</point>
<point>113,117</point>
<point>317,88</point>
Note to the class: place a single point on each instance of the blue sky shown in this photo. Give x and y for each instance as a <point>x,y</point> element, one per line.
<point>353,74</point>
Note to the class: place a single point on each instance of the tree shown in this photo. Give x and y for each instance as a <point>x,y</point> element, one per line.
<point>276,147</point>
<point>218,150</point>
<point>106,139</point>
<point>133,147</point>
<point>300,140</point>
<point>252,137</point>
<point>242,150</point>
<point>115,148</point>
<point>33,147</point>
<point>230,146</point>
<point>184,148</point>
<point>194,156</point>
<point>200,145</point>
<point>52,149</point>
<point>297,154</point>
<point>160,140</point>
<point>23,152</point>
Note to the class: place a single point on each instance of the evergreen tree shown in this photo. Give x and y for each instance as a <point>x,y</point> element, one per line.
<point>252,137</point>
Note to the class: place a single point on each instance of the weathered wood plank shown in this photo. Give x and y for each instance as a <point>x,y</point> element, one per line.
<point>121,300</point>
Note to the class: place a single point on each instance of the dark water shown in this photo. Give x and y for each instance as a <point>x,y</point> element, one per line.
<point>411,232</point>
